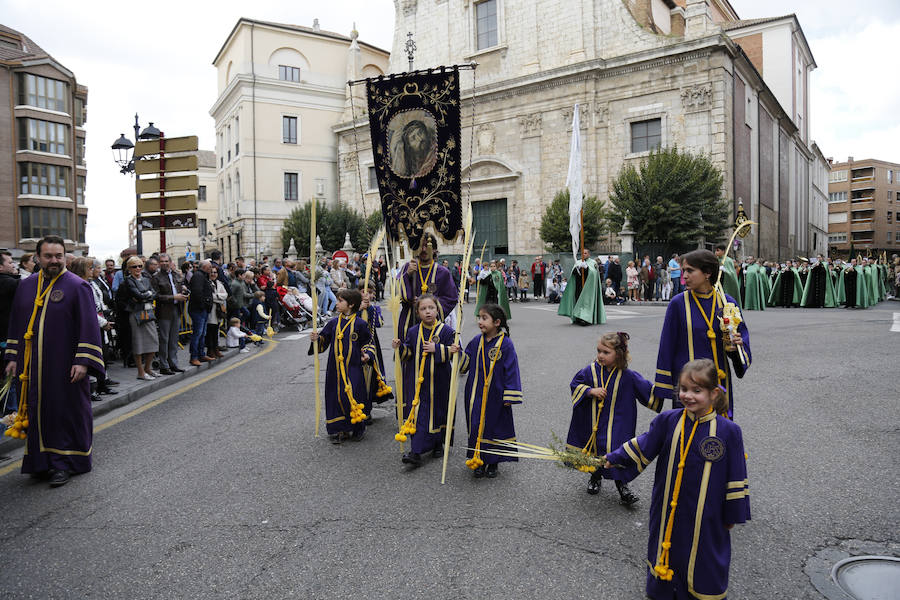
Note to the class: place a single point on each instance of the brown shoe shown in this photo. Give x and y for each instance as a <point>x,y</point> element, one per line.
<point>217,354</point>
<point>207,358</point>
<point>196,362</point>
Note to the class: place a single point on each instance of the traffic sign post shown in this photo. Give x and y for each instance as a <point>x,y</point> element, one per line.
<point>160,178</point>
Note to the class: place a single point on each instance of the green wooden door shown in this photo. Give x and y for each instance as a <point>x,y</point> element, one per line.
<point>489,221</point>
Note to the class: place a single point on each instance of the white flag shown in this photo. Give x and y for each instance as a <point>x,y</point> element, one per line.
<point>573,182</point>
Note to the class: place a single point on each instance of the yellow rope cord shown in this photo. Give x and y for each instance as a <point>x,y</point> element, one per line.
<point>19,427</point>
<point>409,425</point>
<point>475,462</point>
<point>662,566</point>
<point>591,446</point>
<point>709,332</point>
<point>424,280</point>
<point>356,409</point>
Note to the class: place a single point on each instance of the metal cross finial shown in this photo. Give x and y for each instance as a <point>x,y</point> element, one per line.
<point>410,49</point>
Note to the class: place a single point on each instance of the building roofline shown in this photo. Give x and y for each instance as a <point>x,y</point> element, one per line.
<point>751,24</point>
<point>296,29</point>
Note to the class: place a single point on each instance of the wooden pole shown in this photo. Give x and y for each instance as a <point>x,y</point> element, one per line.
<point>315,311</point>
<point>581,252</point>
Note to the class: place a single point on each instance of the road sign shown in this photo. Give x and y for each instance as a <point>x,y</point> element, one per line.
<point>173,165</point>
<point>167,221</point>
<point>190,256</point>
<point>173,203</point>
<point>179,144</point>
<point>172,184</point>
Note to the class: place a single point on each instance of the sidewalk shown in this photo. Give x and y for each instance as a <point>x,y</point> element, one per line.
<point>130,388</point>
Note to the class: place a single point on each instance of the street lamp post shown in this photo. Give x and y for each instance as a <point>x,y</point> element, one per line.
<point>123,155</point>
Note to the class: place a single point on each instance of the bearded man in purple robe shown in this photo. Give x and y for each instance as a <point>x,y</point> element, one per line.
<point>53,342</point>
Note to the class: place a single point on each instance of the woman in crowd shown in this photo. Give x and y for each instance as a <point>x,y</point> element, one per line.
<point>139,298</point>
<point>631,274</point>
<point>216,315</point>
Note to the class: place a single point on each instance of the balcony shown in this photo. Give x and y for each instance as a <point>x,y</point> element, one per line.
<point>861,205</point>
<point>862,174</point>
<point>862,226</point>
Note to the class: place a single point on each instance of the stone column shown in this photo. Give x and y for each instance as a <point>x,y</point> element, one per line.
<point>627,237</point>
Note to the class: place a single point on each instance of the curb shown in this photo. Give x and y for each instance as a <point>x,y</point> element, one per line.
<point>111,403</point>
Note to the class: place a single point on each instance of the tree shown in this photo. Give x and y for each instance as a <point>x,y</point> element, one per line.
<point>671,195</point>
<point>555,222</point>
<point>331,226</point>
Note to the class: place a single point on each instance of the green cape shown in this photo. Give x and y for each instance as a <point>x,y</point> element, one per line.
<point>589,307</point>
<point>756,288</point>
<point>808,291</point>
<point>776,288</point>
<point>872,287</point>
<point>496,278</point>
<point>729,278</point>
<point>862,296</point>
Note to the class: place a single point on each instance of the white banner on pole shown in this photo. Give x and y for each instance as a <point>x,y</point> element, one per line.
<point>573,183</point>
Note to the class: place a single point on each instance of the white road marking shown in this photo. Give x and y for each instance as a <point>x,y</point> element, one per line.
<point>612,314</point>
<point>295,336</point>
<point>896,326</point>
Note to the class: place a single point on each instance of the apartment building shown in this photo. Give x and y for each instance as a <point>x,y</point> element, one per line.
<point>281,88</point>
<point>863,200</point>
<point>42,167</point>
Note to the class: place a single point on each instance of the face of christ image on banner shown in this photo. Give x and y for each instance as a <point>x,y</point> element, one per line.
<point>412,137</point>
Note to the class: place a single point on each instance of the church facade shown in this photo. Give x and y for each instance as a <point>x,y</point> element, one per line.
<point>644,74</point>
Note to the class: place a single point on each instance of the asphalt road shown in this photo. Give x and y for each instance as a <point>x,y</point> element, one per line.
<point>223,492</point>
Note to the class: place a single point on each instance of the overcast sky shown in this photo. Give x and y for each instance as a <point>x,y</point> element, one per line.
<point>158,62</point>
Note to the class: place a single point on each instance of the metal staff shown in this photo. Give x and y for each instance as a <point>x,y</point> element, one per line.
<point>454,372</point>
<point>315,311</point>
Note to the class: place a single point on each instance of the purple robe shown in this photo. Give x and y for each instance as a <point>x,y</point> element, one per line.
<point>505,390</point>
<point>618,417</point>
<point>713,490</point>
<point>684,338</point>
<point>356,342</point>
<point>440,285</point>
<point>66,333</point>
<point>373,319</point>
<point>434,395</point>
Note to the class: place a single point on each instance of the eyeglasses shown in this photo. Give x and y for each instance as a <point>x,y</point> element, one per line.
<point>136,267</point>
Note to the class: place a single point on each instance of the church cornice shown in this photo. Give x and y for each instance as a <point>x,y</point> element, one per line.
<point>596,69</point>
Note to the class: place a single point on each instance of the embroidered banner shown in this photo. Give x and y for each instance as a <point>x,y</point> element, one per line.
<point>415,125</point>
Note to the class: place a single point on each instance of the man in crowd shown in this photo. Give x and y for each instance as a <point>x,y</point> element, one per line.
<point>538,270</point>
<point>168,283</point>
<point>60,420</point>
<point>675,275</point>
<point>109,272</point>
<point>614,273</point>
<point>9,281</point>
<point>200,302</point>
<point>659,282</point>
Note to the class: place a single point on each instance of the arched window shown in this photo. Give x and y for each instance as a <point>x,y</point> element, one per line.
<point>288,64</point>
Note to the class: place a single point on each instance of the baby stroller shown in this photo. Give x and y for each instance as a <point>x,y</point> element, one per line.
<point>297,309</point>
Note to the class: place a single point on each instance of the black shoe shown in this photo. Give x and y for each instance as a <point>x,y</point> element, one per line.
<point>95,398</point>
<point>491,471</point>
<point>478,472</point>
<point>357,436</point>
<point>107,392</point>
<point>626,496</point>
<point>335,438</point>
<point>58,477</point>
<point>176,370</point>
<point>414,459</point>
<point>166,372</point>
<point>438,451</point>
<point>110,382</point>
<point>593,487</point>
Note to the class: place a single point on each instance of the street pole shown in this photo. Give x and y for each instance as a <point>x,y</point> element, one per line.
<point>139,246</point>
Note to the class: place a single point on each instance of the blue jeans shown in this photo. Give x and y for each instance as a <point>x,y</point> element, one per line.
<point>198,333</point>
<point>327,300</point>
<point>676,285</point>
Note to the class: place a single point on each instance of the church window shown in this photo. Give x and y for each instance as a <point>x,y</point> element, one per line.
<point>646,135</point>
<point>486,24</point>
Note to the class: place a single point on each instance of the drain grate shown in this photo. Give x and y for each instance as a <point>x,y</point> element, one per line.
<point>868,577</point>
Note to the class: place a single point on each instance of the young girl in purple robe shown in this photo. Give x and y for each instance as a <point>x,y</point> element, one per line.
<point>604,408</point>
<point>699,491</point>
<point>345,387</point>
<point>426,354</point>
<point>492,387</point>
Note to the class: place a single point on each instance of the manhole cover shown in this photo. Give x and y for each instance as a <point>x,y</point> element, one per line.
<point>869,577</point>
